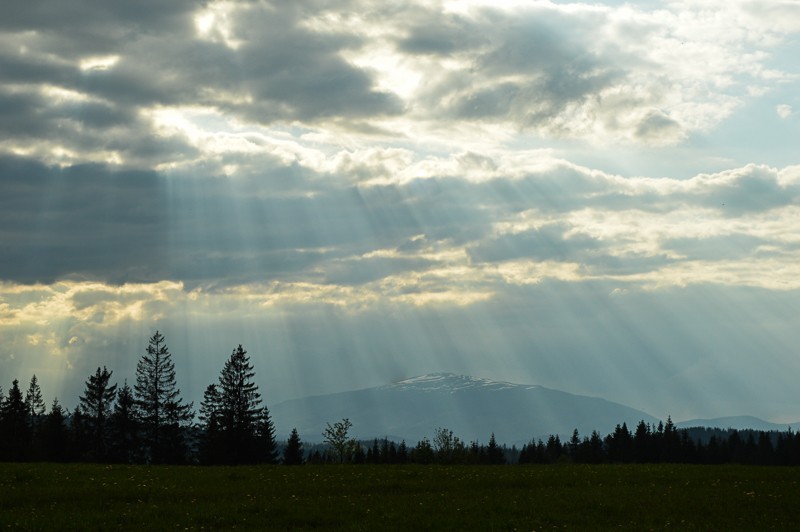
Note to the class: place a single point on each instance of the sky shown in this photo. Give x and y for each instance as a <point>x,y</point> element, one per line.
<point>597,197</point>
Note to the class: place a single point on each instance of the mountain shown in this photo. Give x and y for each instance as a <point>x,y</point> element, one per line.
<point>471,407</point>
<point>736,422</point>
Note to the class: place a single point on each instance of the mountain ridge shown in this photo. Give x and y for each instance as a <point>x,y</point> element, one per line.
<point>472,407</point>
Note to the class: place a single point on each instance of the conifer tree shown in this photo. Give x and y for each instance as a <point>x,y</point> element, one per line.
<point>210,423</point>
<point>34,401</point>
<point>246,431</point>
<point>15,429</point>
<point>160,410</point>
<point>266,446</point>
<point>293,452</point>
<point>55,434</point>
<point>79,434</point>
<point>494,453</point>
<point>124,427</point>
<point>96,403</point>
<point>36,410</point>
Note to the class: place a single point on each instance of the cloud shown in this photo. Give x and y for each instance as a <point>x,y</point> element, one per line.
<point>784,111</point>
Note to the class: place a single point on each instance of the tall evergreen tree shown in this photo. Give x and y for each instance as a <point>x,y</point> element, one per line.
<point>293,452</point>
<point>96,403</point>
<point>79,435</point>
<point>55,434</point>
<point>266,446</point>
<point>34,401</point>
<point>36,410</point>
<point>124,427</point>
<point>245,430</point>
<point>210,423</point>
<point>14,425</point>
<point>160,409</point>
<point>494,453</point>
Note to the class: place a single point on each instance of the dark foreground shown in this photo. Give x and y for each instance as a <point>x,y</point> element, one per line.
<point>78,496</point>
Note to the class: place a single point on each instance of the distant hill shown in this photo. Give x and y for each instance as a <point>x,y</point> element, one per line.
<point>471,407</point>
<point>738,423</point>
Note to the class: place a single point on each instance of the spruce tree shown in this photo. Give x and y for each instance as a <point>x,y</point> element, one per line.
<point>16,431</point>
<point>160,409</point>
<point>56,434</point>
<point>293,452</point>
<point>79,434</point>
<point>124,427</point>
<point>34,401</point>
<point>494,453</point>
<point>210,423</point>
<point>266,447</point>
<point>96,403</point>
<point>244,426</point>
<point>36,410</point>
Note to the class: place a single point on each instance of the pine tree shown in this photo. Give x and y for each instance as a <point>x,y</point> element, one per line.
<point>293,452</point>
<point>160,409</point>
<point>245,428</point>
<point>124,427</point>
<point>36,410</point>
<point>494,453</point>
<point>266,446</point>
<point>34,401</point>
<point>79,434</point>
<point>96,403</point>
<point>210,423</point>
<point>56,434</point>
<point>15,429</point>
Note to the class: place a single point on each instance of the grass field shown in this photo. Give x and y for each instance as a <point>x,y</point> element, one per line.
<point>79,496</point>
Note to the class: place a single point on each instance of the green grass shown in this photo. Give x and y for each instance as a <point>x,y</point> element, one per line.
<point>79,496</point>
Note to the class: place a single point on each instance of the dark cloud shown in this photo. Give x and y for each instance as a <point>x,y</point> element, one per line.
<point>294,73</point>
<point>546,243</point>
<point>533,68</point>
<point>88,25</point>
<point>657,126</point>
<point>282,71</point>
<point>92,222</point>
<point>449,35</point>
<point>716,248</point>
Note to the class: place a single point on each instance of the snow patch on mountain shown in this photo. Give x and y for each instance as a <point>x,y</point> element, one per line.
<point>450,382</point>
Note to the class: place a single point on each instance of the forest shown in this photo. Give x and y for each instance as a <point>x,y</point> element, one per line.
<point>150,423</point>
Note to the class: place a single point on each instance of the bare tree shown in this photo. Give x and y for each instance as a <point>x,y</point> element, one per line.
<point>336,436</point>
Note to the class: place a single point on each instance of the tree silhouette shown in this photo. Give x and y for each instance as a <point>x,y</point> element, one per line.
<point>210,423</point>
<point>124,427</point>
<point>34,401</point>
<point>16,432</point>
<point>241,430</point>
<point>96,403</point>
<point>36,410</point>
<point>336,436</point>
<point>160,409</point>
<point>293,452</point>
<point>55,434</point>
<point>266,446</point>
<point>239,407</point>
<point>494,454</point>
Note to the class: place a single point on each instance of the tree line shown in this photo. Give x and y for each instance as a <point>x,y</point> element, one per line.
<point>150,423</point>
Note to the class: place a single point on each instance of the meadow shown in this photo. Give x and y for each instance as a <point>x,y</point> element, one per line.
<point>89,496</point>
